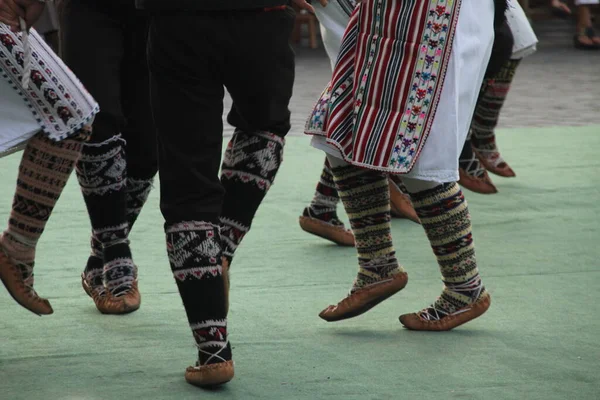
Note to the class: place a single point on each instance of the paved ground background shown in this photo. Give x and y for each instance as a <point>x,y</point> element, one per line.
<point>557,86</point>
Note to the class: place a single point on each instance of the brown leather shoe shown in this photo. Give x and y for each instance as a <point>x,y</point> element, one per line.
<point>364,299</point>
<point>12,278</point>
<point>498,168</point>
<point>210,375</point>
<point>106,303</point>
<point>481,185</point>
<point>464,315</point>
<point>400,204</point>
<point>337,234</point>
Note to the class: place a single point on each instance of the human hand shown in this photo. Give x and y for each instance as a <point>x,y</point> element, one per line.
<point>10,12</point>
<point>33,10</point>
<point>304,5</point>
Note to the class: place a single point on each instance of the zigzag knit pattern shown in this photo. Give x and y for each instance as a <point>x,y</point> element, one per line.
<point>43,173</point>
<point>366,198</point>
<point>249,168</point>
<point>325,201</point>
<point>444,214</point>
<point>487,112</point>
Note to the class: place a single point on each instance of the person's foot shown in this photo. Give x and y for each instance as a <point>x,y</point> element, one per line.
<point>493,162</point>
<point>126,302</point>
<point>587,39</point>
<point>18,280</point>
<point>458,304</point>
<point>362,298</point>
<point>326,226</point>
<point>213,367</point>
<point>478,184</point>
<point>560,9</point>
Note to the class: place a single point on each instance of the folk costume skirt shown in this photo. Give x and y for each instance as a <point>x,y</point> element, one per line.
<point>54,101</point>
<point>405,86</point>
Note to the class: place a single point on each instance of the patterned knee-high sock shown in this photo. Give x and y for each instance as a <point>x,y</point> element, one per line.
<point>43,173</point>
<point>487,112</point>
<point>102,176</point>
<point>137,191</point>
<point>366,198</point>
<point>445,217</point>
<point>249,168</point>
<point>194,250</point>
<point>324,203</point>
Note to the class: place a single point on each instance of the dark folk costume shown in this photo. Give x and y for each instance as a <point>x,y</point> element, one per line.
<point>245,48</point>
<point>104,42</point>
<point>398,103</point>
<point>50,116</point>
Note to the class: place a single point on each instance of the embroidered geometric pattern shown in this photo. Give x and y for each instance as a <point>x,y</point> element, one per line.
<point>119,273</point>
<point>232,233</point>
<point>43,173</point>
<point>259,153</point>
<point>250,165</point>
<point>56,98</point>
<point>194,250</point>
<point>102,167</point>
<point>210,332</point>
<point>366,198</point>
<point>379,115</point>
<point>445,217</point>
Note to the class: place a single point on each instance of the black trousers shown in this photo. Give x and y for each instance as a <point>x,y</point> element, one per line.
<point>192,57</point>
<point>104,43</point>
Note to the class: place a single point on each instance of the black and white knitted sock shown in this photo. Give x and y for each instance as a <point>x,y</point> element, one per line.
<point>102,176</point>
<point>249,168</point>
<point>137,192</point>
<point>324,203</point>
<point>194,250</point>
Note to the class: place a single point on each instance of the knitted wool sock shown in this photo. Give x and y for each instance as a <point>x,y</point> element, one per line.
<point>249,168</point>
<point>194,250</point>
<point>469,162</point>
<point>445,217</point>
<point>487,112</point>
<point>324,203</point>
<point>43,173</point>
<point>366,198</point>
<point>102,176</point>
<point>137,192</point>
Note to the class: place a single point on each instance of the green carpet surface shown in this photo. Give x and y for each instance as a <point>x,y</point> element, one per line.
<point>538,248</point>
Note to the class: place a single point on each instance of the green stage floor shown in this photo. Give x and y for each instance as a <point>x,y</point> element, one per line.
<point>538,245</point>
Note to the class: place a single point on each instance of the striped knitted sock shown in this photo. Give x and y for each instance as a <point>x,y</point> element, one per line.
<point>249,168</point>
<point>194,250</point>
<point>43,173</point>
<point>445,217</point>
<point>324,203</point>
<point>366,198</point>
<point>102,176</point>
<point>487,112</point>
